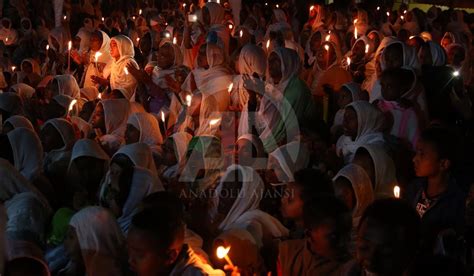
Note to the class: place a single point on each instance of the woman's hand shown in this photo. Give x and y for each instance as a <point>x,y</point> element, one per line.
<point>100,81</point>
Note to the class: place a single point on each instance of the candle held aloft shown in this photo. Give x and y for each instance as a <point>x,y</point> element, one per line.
<point>396,191</point>
<point>388,14</point>
<point>96,56</point>
<point>311,8</point>
<point>175,40</point>
<point>348,61</point>
<point>241,33</point>
<point>13,68</point>
<point>47,47</point>
<point>268,44</point>
<point>140,12</point>
<point>103,19</point>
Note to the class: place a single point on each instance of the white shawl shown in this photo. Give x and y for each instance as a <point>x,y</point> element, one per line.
<point>27,152</point>
<point>118,76</point>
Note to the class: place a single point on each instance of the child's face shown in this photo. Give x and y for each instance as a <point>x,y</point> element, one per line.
<point>132,134</point>
<point>426,161</point>
<point>390,88</point>
<point>350,124</point>
<point>98,118</point>
<point>114,50</point>
<point>165,56</point>
<point>27,68</point>
<point>328,239</point>
<point>345,98</point>
<point>144,258</point>
<point>291,202</point>
<point>379,249</point>
<point>344,191</point>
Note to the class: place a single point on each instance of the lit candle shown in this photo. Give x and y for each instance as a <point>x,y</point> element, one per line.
<point>396,191</point>
<point>188,100</point>
<point>229,88</point>
<point>133,17</point>
<point>175,40</point>
<point>378,8</point>
<point>277,6</point>
<point>6,39</point>
<point>402,17</point>
<point>355,21</point>
<point>405,11</point>
<point>367,46</point>
<point>103,19</point>
<point>140,12</point>
<point>268,44</point>
<point>328,37</point>
<point>355,32</point>
<point>412,36</point>
<point>222,254</point>
<point>311,8</point>
<point>241,33</point>
<point>13,68</point>
<point>69,47</point>
<point>456,74</point>
<point>167,35</point>
<point>326,47</point>
<point>138,40</point>
<point>65,17</point>
<point>100,96</point>
<point>388,14</point>
<point>71,105</point>
<point>231,26</point>
<point>266,4</point>
<point>125,69</point>
<point>47,47</point>
<point>348,61</point>
<point>96,58</point>
<point>218,1</point>
<point>184,5</point>
<point>163,117</point>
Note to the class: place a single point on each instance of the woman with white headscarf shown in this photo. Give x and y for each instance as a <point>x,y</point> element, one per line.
<point>66,85</point>
<point>109,121</point>
<point>27,152</point>
<point>122,50</point>
<point>243,212</point>
<point>95,243</point>
<point>287,101</point>
<point>25,91</point>
<point>131,177</point>
<point>17,121</point>
<point>174,152</point>
<point>363,124</point>
<point>350,92</point>
<point>379,166</point>
<point>100,66</point>
<point>252,62</point>
<point>144,128</point>
<point>285,161</point>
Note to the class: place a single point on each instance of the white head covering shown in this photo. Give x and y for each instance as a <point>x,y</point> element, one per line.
<point>385,171</point>
<point>18,121</point>
<point>23,90</point>
<point>11,102</point>
<point>149,128</point>
<point>141,156</point>
<point>181,141</point>
<point>65,129</point>
<point>216,12</point>
<point>116,113</point>
<point>119,78</point>
<point>85,37</point>
<point>355,90</point>
<point>252,60</point>
<point>290,66</point>
<point>89,148</point>
<point>27,152</point>
<point>361,185</point>
<point>370,122</point>
<point>59,35</point>
<point>438,55</point>
<point>289,159</point>
<point>68,86</point>
<point>104,50</point>
<point>83,126</point>
<point>97,231</point>
<point>410,57</point>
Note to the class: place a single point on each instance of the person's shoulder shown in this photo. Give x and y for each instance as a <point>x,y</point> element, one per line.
<point>290,245</point>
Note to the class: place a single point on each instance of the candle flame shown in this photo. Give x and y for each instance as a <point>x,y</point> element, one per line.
<point>69,45</point>
<point>378,8</point>
<point>231,26</point>
<point>355,21</point>
<point>100,96</point>
<point>218,1</point>
<point>13,68</point>
<point>348,61</point>
<point>411,37</point>
<point>355,33</point>
<point>71,105</point>
<point>402,17</point>
<point>311,8</point>
<point>103,19</point>
<point>65,17</point>
<point>328,37</point>
<point>97,55</point>
<point>229,88</point>
<point>133,17</point>
<point>268,44</point>
<point>47,47</point>
<point>184,5</point>
<point>388,14</point>
<point>138,39</point>
<point>188,100</point>
<point>162,116</point>
<point>125,69</point>
<point>241,33</point>
<point>175,40</point>
<point>167,35</point>
<point>214,122</point>
<point>456,73</point>
<point>405,11</point>
<point>140,12</point>
<point>396,191</point>
<point>6,39</point>
<point>221,252</point>
<point>367,46</point>
<point>266,4</point>
<point>326,47</point>
<point>277,6</point>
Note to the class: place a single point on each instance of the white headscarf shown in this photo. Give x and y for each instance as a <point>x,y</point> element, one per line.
<point>23,90</point>
<point>141,156</point>
<point>290,67</point>
<point>12,181</point>
<point>118,76</point>
<point>18,121</point>
<point>370,121</point>
<point>89,93</point>
<point>116,113</point>
<point>104,58</point>
<point>361,185</point>
<point>65,129</point>
<point>181,141</point>
<point>149,128</point>
<point>244,212</point>
<point>83,126</point>
<point>67,85</point>
<point>216,12</point>
<point>89,148</point>
<point>27,152</point>
<point>85,37</point>
<point>288,159</point>
<point>385,171</point>
<point>97,231</point>
<point>438,56</point>
<point>59,35</point>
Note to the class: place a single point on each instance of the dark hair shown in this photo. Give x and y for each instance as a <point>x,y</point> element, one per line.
<point>320,209</point>
<point>395,214</point>
<point>444,142</point>
<point>313,184</point>
<point>162,226</point>
<point>166,201</point>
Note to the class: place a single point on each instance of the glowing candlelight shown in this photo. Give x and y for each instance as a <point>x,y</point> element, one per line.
<point>326,47</point>
<point>184,5</point>
<point>47,47</point>
<point>229,88</point>
<point>355,21</point>
<point>6,39</point>
<point>125,69</point>
<point>402,17</point>
<point>277,6</point>
<point>388,14</point>
<point>167,35</point>
<point>69,46</point>
<point>163,116</point>
<point>268,44</point>
<point>218,1</point>
<point>96,56</point>
<point>188,100</point>
<point>328,37</point>
<point>367,46</point>
<point>222,253</point>
<point>311,8</point>
<point>175,40</point>
<point>241,33</point>
<point>231,26</point>
<point>412,36</point>
<point>13,68</point>
<point>396,191</point>
<point>214,122</point>
<point>133,17</point>
<point>138,40</point>
<point>456,74</point>
<point>71,105</point>
<point>140,12</point>
<point>266,4</point>
<point>103,19</point>
<point>355,33</point>
<point>65,17</point>
<point>378,8</point>
<point>348,61</point>
<point>100,96</point>
<point>405,12</point>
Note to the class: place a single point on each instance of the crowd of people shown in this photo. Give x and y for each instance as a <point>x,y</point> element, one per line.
<point>186,137</point>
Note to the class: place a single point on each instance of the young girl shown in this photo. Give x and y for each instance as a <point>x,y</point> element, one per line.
<point>350,92</point>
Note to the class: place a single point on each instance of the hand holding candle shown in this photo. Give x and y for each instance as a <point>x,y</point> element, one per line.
<point>222,254</point>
